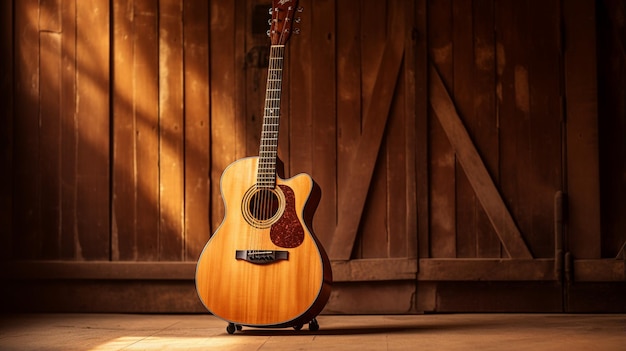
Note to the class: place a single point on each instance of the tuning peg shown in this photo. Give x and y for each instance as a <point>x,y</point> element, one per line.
<point>271,10</point>
<point>268,33</point>
<point>298,20</point>
<point>300,9</point>
<point>296,30</point>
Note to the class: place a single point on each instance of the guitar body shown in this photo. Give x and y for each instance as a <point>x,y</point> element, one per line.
<point>264,268</point>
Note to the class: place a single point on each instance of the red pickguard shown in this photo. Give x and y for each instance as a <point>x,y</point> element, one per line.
<point>288,231</point>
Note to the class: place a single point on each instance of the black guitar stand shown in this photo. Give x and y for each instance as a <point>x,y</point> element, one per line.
<point>313,326</point>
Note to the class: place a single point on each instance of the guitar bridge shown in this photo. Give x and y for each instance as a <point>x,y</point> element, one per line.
<point>261,256</point>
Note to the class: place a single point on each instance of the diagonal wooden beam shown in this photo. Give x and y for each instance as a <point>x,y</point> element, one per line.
<point>351,198</point>
<point>475,169</point>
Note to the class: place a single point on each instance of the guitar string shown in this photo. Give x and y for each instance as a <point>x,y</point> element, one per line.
<point>265,201</point>
<point>261,206</point>
<point>272,93</point>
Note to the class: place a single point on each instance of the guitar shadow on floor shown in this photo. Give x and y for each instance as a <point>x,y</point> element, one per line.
<point>338,330</point>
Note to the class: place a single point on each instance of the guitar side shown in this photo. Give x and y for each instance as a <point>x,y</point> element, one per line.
<point>285,292</point>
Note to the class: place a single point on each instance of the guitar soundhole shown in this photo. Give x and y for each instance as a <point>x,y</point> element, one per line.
<point>262,207</point>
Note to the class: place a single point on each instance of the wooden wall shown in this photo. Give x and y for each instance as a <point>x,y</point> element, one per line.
<point>470,153</point>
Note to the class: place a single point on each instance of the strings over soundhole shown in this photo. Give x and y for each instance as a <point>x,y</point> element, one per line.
<point>262,207</point>
<point>264,204</point>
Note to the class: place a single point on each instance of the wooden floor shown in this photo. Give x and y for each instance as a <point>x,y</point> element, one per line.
<point>416,332</point>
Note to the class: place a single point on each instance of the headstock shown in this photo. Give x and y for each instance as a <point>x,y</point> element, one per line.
<point>282,22</point>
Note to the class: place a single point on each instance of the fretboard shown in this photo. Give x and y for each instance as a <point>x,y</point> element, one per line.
<point>266,174</point>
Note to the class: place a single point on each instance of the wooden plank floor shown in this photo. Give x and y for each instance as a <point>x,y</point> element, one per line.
<point>415,332</point>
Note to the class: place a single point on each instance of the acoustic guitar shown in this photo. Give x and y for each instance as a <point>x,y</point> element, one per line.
<point>263,266</point>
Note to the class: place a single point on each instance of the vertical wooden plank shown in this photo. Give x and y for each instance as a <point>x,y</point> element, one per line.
<point>349,109</point>
<point>6,128</point>
<point>373,36</point>
<point>92,53</point>
<point>545,129</point>
<point>171,177</point>
<point>421,129</point>
<point>612,102</point>
<point>27,241</point>
<point>396,165</point>
<point>462,88</point>
<point>255,78</point>
<point>373,231</point>
<point>514,115</point>
<point>485,125</point>
<point>50,16</point>
<point>197,124</point>
<point>124,209</point>
<point>240,27</point>
<point>442,159</point>
<point>300,96</point>
<point>324,111</point>
<point>70,248</point>
<point>398,174</point>
<point>146,120</point>
<point>584,232</point>
<point>256,49</point>
<point>223,131</point>
<point>410,110</point>
<point>50,124</point>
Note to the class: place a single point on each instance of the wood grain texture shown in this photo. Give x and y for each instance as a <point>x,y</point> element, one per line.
<point>69,135</point>
<point>420,36</point>
<point>323,88</point>
<point>124,216</point>
<point>441,158</point>
<point>225,138</point>
<point>6,128</point>
<point>612,102</point>
<point>484,125</point>
<point>93,120</point>
<point>26,168</point>
<point>475,170</point>
<point>159,97</point>
<point>283,293</point>
<point>351,199</point>
<point>197,127</point>
<point>583,185</point>
<point>50,120</point>
<point>171,131</point>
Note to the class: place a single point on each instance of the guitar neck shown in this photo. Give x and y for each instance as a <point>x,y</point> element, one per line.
<point>268,151</point>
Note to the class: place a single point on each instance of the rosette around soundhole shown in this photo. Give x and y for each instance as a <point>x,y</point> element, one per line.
<point>262,207</point>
